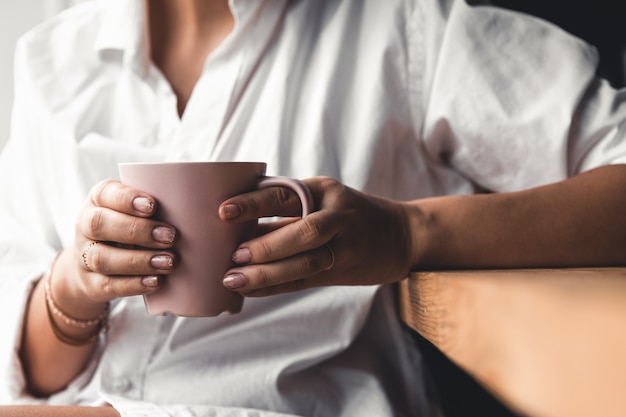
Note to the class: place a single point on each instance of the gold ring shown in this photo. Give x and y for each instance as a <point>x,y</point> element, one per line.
<point>84,255</point>
<point>332,256</point>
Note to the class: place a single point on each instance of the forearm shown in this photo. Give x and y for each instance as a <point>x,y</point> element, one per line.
<point>50,364</point>
<point>57,411</point>
<point>577,222</point>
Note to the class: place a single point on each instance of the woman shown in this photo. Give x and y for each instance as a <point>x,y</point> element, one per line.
<point>421,106</point>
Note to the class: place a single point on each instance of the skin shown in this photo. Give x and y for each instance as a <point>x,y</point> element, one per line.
<point>57,411</point>
<point>183,34</point>
<point>578,221</point>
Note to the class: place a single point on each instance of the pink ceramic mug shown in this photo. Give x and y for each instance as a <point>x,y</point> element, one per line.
<point>188,195</point>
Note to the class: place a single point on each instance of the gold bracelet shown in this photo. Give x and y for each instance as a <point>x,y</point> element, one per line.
<point>53,310</point>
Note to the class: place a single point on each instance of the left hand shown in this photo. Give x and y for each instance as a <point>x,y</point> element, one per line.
<point>352,239</point>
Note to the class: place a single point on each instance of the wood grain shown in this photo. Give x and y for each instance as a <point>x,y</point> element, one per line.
<point>547,342</point>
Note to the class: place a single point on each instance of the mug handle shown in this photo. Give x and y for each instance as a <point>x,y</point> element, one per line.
<point>300,188</point>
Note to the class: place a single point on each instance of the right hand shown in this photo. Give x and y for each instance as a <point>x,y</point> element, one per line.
<point>132,254</point>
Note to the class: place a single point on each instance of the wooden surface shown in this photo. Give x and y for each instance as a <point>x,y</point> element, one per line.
<point>548,343</point>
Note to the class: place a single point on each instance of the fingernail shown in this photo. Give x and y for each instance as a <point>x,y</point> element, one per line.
<point>143,204</point>
<point>150,281</point>
<point>230,211</point>
<point>163,234</point>
<point>242,256</point>
<point>162,262</point>
<point>234,281</point>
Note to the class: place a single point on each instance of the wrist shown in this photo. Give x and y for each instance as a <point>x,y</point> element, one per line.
<point>422,235</point>
<point>67,290</point>
<point>69,329</point>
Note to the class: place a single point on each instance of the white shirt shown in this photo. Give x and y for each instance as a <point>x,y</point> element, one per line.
<point>401,98</point>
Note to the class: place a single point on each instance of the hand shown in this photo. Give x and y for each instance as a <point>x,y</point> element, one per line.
<point>352,239</point>
<point>119,251</point>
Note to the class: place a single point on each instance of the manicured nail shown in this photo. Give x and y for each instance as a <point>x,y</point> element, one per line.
<point>164,234</point>
<point>234,281</point>
<point>143,204</point>
<point>150,281</point>
<point>242,256</point>
<point>162,262</point>
<point>230,211</point>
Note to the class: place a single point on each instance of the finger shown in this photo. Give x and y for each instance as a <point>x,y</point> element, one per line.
<point>104,288</point>
<point>122,198</point>
<point>292,286</point>
<point>272,201</point>
<point>104,224</point>
<point>109,260</point>
<point>277,201</point>
<point>305,234</point>
<point>316,281</point>
<point>266,227</point>
<point>291,270</point>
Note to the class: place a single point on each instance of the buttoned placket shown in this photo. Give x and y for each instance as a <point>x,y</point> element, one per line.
<point>168,121</point>
<point>198,130</point>
<point>191,137</point>
<point>222,81</point>
<point>123,374</point>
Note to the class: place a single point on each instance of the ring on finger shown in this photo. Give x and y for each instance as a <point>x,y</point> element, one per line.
<point>332,256</point>
<point>84,255</point>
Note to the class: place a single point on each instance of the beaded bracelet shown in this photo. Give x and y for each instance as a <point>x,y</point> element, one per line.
<point>53,310</point>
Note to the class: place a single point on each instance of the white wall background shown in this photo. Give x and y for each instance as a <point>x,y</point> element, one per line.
<point>16,17</point>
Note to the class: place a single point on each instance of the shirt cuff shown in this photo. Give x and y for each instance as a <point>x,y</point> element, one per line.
<point>14,296</point>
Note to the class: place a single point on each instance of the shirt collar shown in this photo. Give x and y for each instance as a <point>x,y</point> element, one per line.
<point>123,34</point>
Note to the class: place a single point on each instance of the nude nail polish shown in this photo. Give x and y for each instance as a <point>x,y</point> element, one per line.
<point>242,256</point>
<point>234,281</point>
<point>164,234</point>
<point>150,281</point>
<point>143,204</point>
<point>162,262</point>
<point>230,211</point>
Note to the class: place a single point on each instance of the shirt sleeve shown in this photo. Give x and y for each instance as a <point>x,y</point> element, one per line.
<point>27,242</point>
<point>13,296</point>
<point>510,101</point>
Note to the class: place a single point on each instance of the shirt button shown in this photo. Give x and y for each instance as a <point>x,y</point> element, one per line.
<point>122,385</point>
